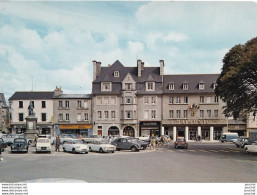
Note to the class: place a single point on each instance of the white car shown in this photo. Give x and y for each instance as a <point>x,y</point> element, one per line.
<point>251,148</point>
<point>76,146</point>
<point>101,146</point>
<point>43,145</point>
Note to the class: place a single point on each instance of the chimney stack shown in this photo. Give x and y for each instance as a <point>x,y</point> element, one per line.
<point>96,69</point>
<point>161,67</point>
<point>139,68</point>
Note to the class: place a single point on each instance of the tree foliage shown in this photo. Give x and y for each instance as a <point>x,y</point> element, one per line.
<point>237,83</point>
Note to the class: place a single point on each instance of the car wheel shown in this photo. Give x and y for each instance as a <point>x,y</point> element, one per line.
<point>73,150</point>
<point>101,150</point>
<point>237,146</point>
<point>117,149</point>
<point>133,149</point>
<point>64,150</point>
<point>246,151</point>
<point>113,151</point>
<point>86,152</point>
<point>144,147</point>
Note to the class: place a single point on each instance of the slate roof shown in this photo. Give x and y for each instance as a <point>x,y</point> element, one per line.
<point>32,95</point>
<point>193,81</point>
<point>2,101</point>
<point>107,75</point>
<point>73,96</point>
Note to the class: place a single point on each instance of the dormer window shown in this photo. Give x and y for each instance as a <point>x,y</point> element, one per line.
<point>185,86</point>
<point>116,73</point>
<point>201,86</point>
<point>150,86</point>
<point>106,86</point>
<point>171,86</point>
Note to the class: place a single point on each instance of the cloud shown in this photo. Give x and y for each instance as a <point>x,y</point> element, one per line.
<point>135,47</point>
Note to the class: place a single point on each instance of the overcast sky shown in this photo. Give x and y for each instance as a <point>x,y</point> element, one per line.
<point>54,43</point>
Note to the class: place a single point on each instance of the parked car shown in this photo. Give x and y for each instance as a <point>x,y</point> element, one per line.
<point>9,138</point>
<point>43,145</point>
<point>143,143</point>
<point>127,143</point>
<point>75,146</point>
<point>241,142</point>
<point>251,148</point>
<point>20,145</point>
<point>228,137</point>
<point>64,138</point>
<point>180,143</point>
<point>3,144</point>
<point>101,146</point>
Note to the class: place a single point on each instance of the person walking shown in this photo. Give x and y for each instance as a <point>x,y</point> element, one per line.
<point>57,143</point>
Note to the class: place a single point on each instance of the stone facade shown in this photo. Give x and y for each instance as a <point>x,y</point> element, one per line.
<point>4,114</point>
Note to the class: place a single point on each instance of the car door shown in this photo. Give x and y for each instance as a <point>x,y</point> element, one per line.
<point>125,144</point>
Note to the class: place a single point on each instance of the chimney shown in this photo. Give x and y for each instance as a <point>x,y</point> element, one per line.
<point>161,67</point>
<point>139,68</point>
<point>96,69</point>
<point>58,91</point>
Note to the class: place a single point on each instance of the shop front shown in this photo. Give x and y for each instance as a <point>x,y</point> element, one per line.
<point>152,128</point>
<point>129,131</point>
<point>80,129</point>
<point>113,130</point>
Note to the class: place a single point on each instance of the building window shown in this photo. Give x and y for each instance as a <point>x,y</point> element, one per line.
<point>21,117</point>
<point>43,104</point>
<point>171,86</point>
<point>185,114</point>
<point>60,104</point>
<point>86,104</point>
<point>113,101</point>
<point>216,99</point>
<point>201,86</point>
<point>61,117</point>
<point>185,100</point>
<point>128,114</point>
<point>208,100</point>
<point>128,86</point>
<point>178,100</point>
<point>67,104</point>
<point>201,113</point>
<point>202,99</point>
<point>209,113</point>
<point>67,117</point>
<point>153,100</point>
<point>128,100</point>
<point>106,86</point>
<point>146,100</point>
<point>20,104</point>
<point>99,100</point>
<point>171,113</point>
<point>171,100</point>
<point>150,86</point>
<point>43,116</point>
<point>86,116</point>
<point>216,113</point>
<point>185,86</point>
<point>106,114</point>
<point>178,113</point>
<point>116,73</point>
<point>153,114</point>
<point>79,117</point>
<point>99,114</point>
<point>113,114</point>
<point>79,104</point>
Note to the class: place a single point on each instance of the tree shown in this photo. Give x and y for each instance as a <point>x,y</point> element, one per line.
<point>237,83</point>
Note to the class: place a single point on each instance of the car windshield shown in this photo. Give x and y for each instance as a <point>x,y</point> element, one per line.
<point>103,142</point>
<point>78,142</point>
<point>43,140</point>
<point>133,140</point>
<point>20,140</point>
<point>181,140</point>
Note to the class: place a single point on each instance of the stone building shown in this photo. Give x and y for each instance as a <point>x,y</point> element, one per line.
<point>4,114</point>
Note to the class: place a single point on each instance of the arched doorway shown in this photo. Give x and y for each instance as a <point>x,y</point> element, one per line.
<point>113,130</point>
<point>129,131</point>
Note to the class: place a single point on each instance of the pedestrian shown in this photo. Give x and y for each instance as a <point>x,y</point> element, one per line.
<point>57,143</point>
<point>153,142</point>
<point>36,138</point>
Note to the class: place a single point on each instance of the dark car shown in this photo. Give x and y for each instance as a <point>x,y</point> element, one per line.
<point>181,143</point>
<point>241,142</point>
<point>143,143</point>
<point>3,144</point>
<point>127,143</point>
<point>20,145</point>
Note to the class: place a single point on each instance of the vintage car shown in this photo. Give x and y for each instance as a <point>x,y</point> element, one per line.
<point>127,143</point>
<point>241,142</point>
<point>3,144</point>
<point>181,143</point>
<point>251,148</point>
<point>76,146</point>
<point>64,138</point>
<point>101,146</point>
<point>20,145</point>
<point>92,138</point>
<point>43,145</point>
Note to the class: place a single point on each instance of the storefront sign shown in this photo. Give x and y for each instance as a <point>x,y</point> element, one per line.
<point>75,126</point>
<point>193,122</point>
<point>149,124</point>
